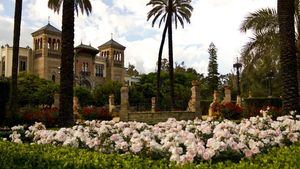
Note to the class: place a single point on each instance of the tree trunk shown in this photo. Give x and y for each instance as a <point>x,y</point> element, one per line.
<point>171,68</point>
<point>14,88</point>
<point>67,61</point>
<point>288,59</point>
<point>158,81</point>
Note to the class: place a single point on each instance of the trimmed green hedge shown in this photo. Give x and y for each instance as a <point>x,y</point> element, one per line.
<point>47,156</point>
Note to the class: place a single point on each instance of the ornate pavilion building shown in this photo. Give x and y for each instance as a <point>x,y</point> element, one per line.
<point>91,66</point>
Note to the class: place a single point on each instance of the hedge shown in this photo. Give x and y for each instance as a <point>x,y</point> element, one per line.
<point>254,105</point>
<point>47,156</point>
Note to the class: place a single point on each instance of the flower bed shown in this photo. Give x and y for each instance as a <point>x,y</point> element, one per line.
<point>179,141</point>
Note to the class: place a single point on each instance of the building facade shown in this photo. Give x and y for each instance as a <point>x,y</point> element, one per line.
<point>91,66</point>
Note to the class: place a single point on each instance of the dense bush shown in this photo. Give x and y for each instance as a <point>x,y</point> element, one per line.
<point>254,105</point>
<point>47,156</point>
<point>30,115</point>
<point>84,96</point>
<point>34,91</point>
<point>93,113</point>
<point>102,92</point>
<point>231,111</point>
<point>4,96</point>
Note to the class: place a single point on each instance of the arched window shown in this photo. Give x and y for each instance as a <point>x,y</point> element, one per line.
<point>53,78</point>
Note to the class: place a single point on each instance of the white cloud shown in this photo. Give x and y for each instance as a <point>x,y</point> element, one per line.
<point>215,21</point>
<point>1,7</point>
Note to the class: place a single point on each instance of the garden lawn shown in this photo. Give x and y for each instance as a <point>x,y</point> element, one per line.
<point>14,155</point>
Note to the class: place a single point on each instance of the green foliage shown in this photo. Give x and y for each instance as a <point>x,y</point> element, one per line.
<point>34,91</point>
<point>84,96</point>
<point>204,106</point>
<point>47,156</point>
<point>183,79</point>
<point>131,71</point>
<point>213,75</point>
<point>254,105</point>
<point>4,96</point>
<point>102,92</point>
<point>261,54</point>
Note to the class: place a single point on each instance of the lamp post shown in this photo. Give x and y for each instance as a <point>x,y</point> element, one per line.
<point>238,66</point>
<point>270,76</point>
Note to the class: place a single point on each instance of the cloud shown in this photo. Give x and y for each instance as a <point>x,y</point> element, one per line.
<point>215,21</point>
<point>1,7</point>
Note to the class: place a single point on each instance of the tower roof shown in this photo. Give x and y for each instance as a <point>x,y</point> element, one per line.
<point>112,43</point>
<point>86,48</point>
<point>48,29</point>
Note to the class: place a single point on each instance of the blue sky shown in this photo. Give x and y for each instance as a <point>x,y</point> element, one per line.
<point>215,21</point>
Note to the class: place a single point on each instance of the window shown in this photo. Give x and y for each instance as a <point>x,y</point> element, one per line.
<point>22,66</point>
<point>85,66</point>
<point>53,78</point>
<point>99,70</point>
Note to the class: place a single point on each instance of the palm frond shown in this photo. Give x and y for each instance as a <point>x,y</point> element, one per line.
<point>260,20</point>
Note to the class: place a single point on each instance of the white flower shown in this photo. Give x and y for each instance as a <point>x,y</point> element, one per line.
<point>136,147</point>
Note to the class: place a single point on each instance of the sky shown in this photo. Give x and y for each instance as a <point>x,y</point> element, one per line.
<point>216,21</point>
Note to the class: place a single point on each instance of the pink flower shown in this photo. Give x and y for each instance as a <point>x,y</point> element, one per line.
<point>248,153</point>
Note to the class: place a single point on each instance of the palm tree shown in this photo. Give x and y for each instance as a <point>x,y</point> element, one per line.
<point>288,59</point>
<point>67,54</point>
<point>265,44</point>
<point>167,11</point>
<point>14,89</point>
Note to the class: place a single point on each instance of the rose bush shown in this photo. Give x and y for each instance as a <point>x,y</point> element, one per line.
<point>180,141</point>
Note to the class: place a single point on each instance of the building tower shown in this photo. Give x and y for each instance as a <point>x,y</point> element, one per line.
<point>113,53</point>
<point>46,52</point>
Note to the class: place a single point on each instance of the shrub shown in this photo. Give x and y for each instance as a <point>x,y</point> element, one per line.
<point>231,111</point>
<point>254,105</point>
<point>34,91</point>
<point>92,113</point>
<point>47,156</point>
<point>101,93</point>
<point>84,96</point>
<point>47,116</point>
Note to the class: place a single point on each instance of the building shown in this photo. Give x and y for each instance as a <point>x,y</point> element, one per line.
<point>25,60</point>
<point>91,66</point>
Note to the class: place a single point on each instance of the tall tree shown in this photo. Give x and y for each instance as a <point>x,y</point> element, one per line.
<point>168,11</point>
<point>264,45</point>
<point>213,75</point>
<point>14,89</point>
<point>288,59</point>
<point>67,53</point>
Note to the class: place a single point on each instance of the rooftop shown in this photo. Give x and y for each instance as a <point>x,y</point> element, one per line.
<point>48,28</point>
<point>112,43</point>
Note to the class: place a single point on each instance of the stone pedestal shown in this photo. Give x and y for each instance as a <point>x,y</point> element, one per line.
<point>239,101</point>
<point>227,97</point>
<point>214,107</point>
<point>194,103</point>
<point>111,103</point>
<point>249,94</point>
<point>56,100</point>
<point>153,104</point>
<point>124,104</point>
<point>75,108</point>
